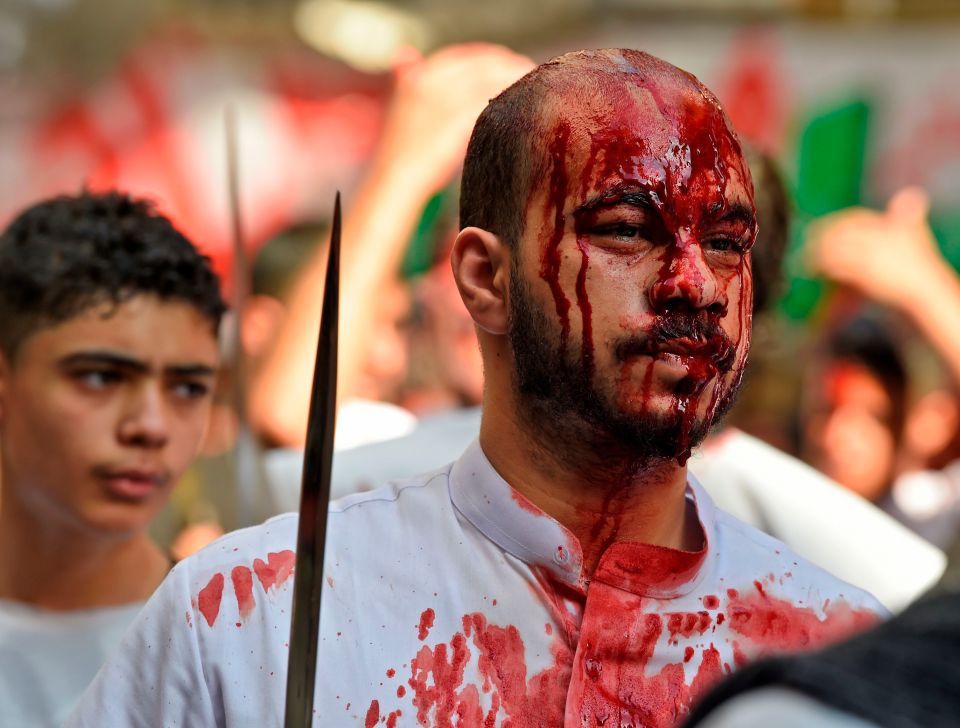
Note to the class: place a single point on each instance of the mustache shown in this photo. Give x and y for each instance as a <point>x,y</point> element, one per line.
<point>683,334</point>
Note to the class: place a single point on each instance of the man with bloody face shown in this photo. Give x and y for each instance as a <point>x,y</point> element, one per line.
<point>566,570</point>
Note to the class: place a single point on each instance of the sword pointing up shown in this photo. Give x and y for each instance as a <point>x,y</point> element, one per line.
<point>314,499</point>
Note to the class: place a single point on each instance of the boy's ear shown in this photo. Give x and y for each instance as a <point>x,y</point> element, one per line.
<point>481,268</point>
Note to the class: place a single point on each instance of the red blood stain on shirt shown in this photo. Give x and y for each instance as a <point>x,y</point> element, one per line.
<point>439,693</point>
<point>686,624</point>
<point>276,570</point>
<point>373,714</point>
<point>391,672</point>
<point>401,691</point>
<point>711,602</point>
<point>525,503</point>
<point>640,568</point>
<point>777,625</point>
<point>392,719</point>
<point>687,654</point>
<point>426,622</point>
<point>436,679</point>
<point>242,579</point>
<point>208,600</point>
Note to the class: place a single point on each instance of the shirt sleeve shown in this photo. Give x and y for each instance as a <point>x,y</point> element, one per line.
<point>156,676</point>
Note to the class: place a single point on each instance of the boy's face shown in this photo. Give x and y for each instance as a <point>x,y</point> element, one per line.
<point>100,415</point>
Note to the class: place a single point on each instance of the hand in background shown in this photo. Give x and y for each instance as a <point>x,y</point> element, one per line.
<point>436,101</point>
<point>889,256</point>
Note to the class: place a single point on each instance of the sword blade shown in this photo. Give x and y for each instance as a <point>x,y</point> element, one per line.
<point>314,499</point>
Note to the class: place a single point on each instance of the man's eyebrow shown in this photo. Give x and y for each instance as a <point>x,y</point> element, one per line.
<point>738,213</point>
<point>619,195</point>
<point>100,357</point>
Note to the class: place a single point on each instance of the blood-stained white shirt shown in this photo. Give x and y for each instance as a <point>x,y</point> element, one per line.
<point>450,599</point>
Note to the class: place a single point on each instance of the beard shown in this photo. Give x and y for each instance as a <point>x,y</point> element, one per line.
<point>572,417</point>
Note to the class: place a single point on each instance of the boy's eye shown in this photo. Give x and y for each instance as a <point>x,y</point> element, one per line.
<point>190,389</point>
<point>97,379</point>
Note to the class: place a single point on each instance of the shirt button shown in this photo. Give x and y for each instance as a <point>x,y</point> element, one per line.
<point>561,555</point>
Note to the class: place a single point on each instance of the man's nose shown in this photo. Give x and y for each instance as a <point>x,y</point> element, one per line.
<point>687,280</point>
<point>145,419</point>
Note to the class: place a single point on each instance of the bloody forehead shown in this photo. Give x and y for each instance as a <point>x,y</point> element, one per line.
<point>658,130</point>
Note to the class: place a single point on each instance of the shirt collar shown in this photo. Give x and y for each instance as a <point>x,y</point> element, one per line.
<point>520,528</point>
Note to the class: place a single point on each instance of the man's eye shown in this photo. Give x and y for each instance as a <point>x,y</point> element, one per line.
<point>726,244</point>
<point>621,230</point>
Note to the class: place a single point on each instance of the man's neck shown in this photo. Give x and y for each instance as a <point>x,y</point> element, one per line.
<point>58,568</point>
<point>622,500</point>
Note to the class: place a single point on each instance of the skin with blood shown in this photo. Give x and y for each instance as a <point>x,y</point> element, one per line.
<point>664,148</point>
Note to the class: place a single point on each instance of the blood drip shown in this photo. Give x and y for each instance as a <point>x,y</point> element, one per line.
<point>550,259</point>
<point>276,570</point>
<point>242,579</point>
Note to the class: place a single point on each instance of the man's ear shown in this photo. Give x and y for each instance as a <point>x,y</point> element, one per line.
<point>481,268</point>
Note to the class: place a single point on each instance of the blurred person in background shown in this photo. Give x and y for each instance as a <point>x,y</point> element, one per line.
<point>565,569</point>
<point>434,105</point>
<point>435,102</point>
<point>891,258</point>
<point>854,407</point>
<point>108,355</point>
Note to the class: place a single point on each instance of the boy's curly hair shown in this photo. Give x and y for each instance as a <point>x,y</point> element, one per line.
<point>66,254</point>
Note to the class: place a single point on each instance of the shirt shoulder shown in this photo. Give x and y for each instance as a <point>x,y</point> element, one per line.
<point>744,548</point>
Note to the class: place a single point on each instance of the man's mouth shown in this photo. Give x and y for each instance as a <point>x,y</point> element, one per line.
<point>715,350</point>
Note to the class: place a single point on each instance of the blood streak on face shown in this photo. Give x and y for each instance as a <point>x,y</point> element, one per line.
<point>557,199</point>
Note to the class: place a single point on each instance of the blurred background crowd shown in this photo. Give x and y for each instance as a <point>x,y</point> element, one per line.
<point>240,118</point>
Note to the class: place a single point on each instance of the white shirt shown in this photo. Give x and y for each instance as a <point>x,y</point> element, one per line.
<point>450,594</point>
<point>47,659</point>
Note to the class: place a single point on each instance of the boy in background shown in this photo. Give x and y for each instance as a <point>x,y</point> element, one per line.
<point>108,354</point>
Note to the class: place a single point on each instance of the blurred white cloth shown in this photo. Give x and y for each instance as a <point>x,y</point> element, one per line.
<point>782,708</point>
<point>928,503</point>
<point>817,518</point>
<point>434,441</point>
<point>47,659</point>
<point>362,421</point>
